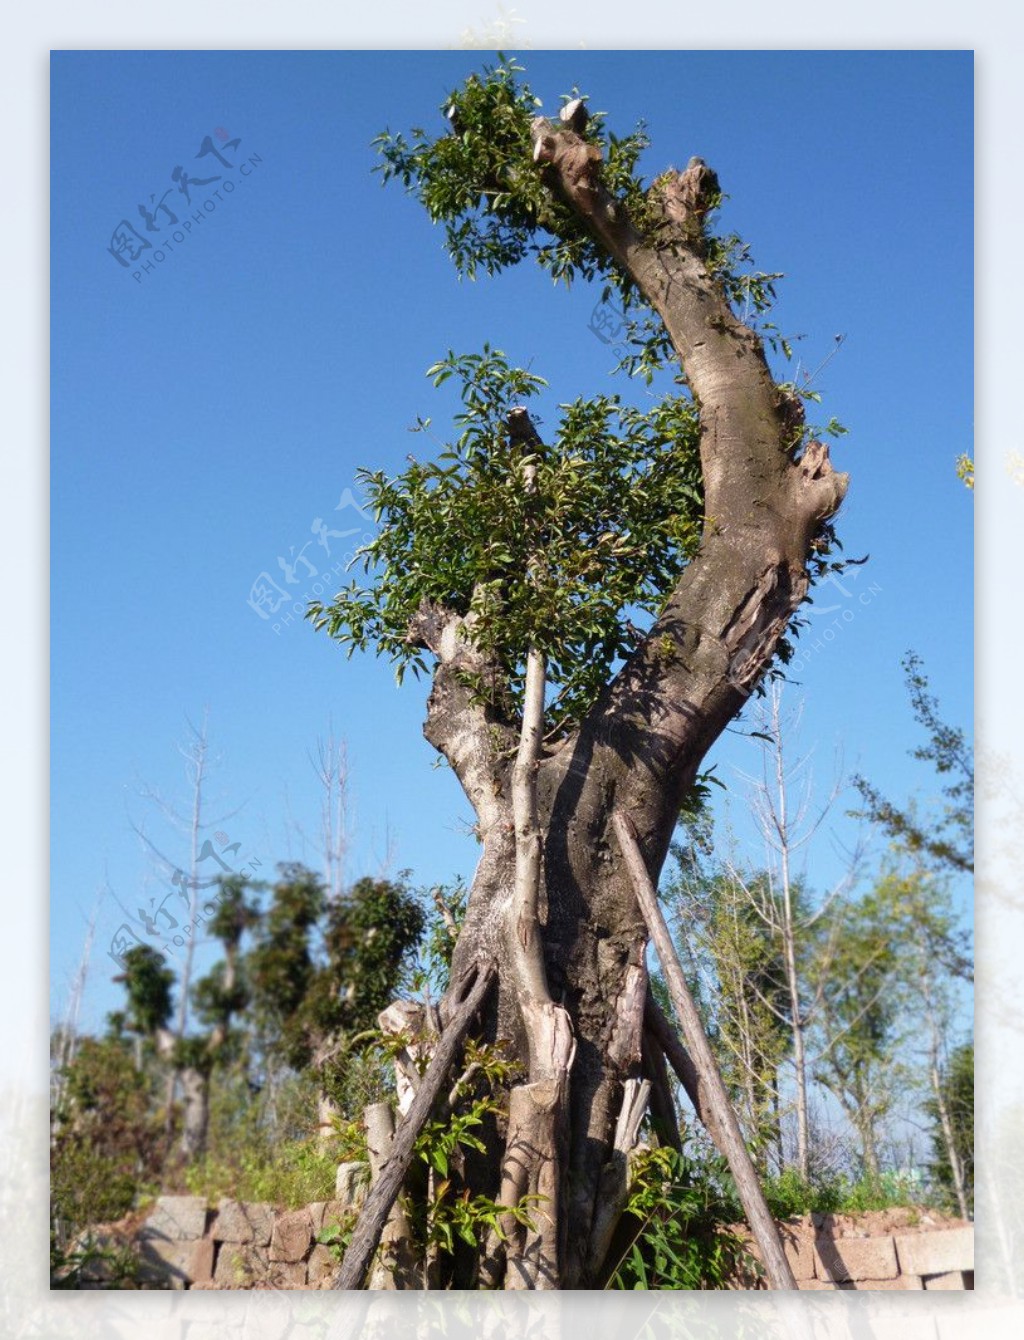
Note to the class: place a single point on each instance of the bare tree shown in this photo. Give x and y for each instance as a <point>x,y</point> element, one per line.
<point>330,763</point>
<point>782,804</point>
<point>66,1039</point>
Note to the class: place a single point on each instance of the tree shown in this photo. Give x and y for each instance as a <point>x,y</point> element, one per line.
<point>947,839</point>
<point>935,957</point>
<point>321,970</point>
<point>217,998</point>
<point>862,985</point>
<point>106,1142</point>
<point>739,981</point>
<point>514,570</point>
<point>952,1113</point>
<point>781,801</point>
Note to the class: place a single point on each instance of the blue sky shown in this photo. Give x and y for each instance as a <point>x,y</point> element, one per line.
<point>203,418</point>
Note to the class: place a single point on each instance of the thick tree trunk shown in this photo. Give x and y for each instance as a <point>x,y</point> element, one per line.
<point>195,1087</point>
<point>571,977</point>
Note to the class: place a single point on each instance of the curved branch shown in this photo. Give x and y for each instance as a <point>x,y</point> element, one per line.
<point>721,626</point>
<point>470,734</point>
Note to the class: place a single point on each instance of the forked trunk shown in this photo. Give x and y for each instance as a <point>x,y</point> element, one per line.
<point>552,905</point>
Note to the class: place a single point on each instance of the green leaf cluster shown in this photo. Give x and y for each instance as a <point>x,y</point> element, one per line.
<point>680,1216</point>
<point>567,564</point>
<point>479,181</point>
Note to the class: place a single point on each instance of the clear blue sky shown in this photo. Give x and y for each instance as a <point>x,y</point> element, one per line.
<point>204,418</point>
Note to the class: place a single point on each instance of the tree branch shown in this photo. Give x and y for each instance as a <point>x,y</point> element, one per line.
<point>471,735</point>
<point>719,629</point>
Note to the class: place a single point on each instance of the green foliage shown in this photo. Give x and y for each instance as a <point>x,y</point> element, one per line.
<point>452,1211</point>
<point>280,964</point>
<point>957,1084</point>
<point>475,1096</point>
<point>478,179</point>
<point>263,1144</point>
<point>575,564</point>
<point>289,1173</point>
<point>337,1235</point>
<point>678,1213</point>
<point>148,982</point>
<point>600,541</point>
<point>789,1196</point>
<point>107,1143</point>
<point>481,184</point>
<point>90,1186</point>
<point>308,993</point>
<point>235,912</point>
<point>214,1002</point>
<point>946,840</point>
<point>88,1260</point>
<point>471,1218</point>
<point>737,975</point>
<point>438,944</point>
<point>965,470</point>
<point>861,982</point>
<point>368,935</point>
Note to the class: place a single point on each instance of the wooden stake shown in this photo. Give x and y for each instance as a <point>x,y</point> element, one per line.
<point>719,1109</point>
<point>385,1190</point>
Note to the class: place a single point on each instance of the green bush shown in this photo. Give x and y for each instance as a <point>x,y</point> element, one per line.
<point>677,1217</point>
<point>108,1142</point>
<point>289,1175</point>
<point>788,1195</point>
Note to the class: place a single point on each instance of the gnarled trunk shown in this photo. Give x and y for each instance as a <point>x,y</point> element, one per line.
<point>566,933</point>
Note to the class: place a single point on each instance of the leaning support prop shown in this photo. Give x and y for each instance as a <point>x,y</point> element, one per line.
<point>719,1109</point>
<point>385,1190</point>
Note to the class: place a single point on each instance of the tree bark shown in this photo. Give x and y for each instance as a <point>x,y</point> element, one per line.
<point>195,1087</point>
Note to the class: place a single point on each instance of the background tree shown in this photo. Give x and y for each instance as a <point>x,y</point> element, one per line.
<point>952,1113</point>
<point>514,569</point>
<point>934,961</point>
<point>738,979</point>
<point>865,1015</point>
<point>107,1136</point>
<point>218,998</point>
<point>320,972</point>
<point>946,839</point>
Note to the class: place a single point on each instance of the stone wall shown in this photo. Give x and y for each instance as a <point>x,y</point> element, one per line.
<point>890,1249</point>
<point>184,1244</point>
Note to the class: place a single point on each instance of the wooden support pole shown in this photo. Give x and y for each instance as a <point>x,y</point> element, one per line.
<point>385,1190</point>
<point>763,1226</point>
<point>661,1031</point>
